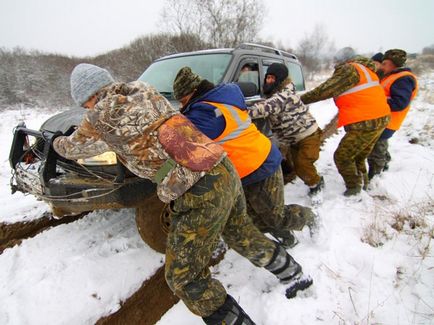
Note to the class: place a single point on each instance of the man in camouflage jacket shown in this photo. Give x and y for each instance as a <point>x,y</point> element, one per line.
<point>361,135</point>
<point>158,143</point>
<point>291,123</point>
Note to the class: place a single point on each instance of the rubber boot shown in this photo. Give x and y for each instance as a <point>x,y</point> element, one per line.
<point>289,272</point>
<point>229,313</point>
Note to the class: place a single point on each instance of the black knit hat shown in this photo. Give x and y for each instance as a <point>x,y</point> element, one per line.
<point>279,70</point>
<point>378,57</point>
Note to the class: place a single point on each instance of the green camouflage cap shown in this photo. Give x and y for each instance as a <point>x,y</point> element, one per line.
<point>398,57</point>
<point>186,81</point>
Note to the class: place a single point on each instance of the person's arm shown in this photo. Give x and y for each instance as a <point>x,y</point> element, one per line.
<point>207,119</point>
<point>400,93</point>
<point>343,78</point>
<point>85,142</point>
<point>270,106</point>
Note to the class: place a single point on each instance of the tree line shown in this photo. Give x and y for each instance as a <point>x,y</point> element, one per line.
<point>34,78</point>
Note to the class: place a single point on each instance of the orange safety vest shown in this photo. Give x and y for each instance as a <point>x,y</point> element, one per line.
<point>398,117</point>
<point>365,101</point>
<point>247,148</point>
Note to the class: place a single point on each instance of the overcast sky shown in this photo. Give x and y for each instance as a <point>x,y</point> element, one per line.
<point>90,27</point>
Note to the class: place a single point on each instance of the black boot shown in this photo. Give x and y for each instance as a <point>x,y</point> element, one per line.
<point>285,237</point>
<point>317,188</point>
<point>288,271</point>
<point>229,313</point>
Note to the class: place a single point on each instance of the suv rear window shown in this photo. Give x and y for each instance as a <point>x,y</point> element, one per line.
<point>161,74</point>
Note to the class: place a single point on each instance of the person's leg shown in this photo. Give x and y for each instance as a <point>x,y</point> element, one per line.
<point>245,238</point>
<point>344,158</point>
<point>353,149</point>
<point>306,154</point>
<point>378,158</point>
<point>371,138</point>
<point>265,201</point>
<point>265,206</point>
<point>287,164</point>
<point>216,206</point>
<point>197,221</point>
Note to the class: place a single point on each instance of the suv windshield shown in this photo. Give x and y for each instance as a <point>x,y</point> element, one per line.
<point>161,74</point>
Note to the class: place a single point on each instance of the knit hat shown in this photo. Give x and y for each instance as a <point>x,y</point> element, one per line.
<point>378,57</point>
<point>398,57</point>
<point>87,80</point>
<point>344,54</point>
<point>186,81</point>
<point>279,70</point>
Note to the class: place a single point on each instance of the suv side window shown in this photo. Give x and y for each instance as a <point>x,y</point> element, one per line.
<point>295,72</point>
<point>248,71</point>
<point>296,75</point>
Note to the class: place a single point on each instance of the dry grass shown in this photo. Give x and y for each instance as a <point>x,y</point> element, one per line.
<point>412,221</point>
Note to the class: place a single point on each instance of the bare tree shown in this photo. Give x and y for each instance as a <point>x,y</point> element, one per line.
<point>221,23</point>
<point>314,50</point>
<point>428,50</point>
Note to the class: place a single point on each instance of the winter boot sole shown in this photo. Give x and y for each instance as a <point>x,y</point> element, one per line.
<point>301,284</point>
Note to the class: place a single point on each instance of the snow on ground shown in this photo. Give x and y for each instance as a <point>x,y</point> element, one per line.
<point>371,261</point>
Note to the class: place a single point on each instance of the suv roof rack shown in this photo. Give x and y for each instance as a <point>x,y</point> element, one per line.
<point>266,49</point>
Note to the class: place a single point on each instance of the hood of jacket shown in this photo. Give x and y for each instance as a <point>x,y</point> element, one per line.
<point>228,93</point>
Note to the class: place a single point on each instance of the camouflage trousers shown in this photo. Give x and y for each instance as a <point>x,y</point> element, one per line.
<point>304,154</point>
<point>379,157</point>
<point>266,207</point>
<point>214,207</point>
<point>354,148</point>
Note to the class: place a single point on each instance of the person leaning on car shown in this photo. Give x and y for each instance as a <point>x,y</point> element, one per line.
<point>292,124</point>
<point>220,113</point>
<point>362,110</point>
<point>193,174</point>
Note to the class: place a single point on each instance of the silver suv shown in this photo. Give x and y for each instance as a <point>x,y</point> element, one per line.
<point>246,63</point>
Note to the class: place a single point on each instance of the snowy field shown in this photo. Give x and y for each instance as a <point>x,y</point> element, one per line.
<point>372,260</point>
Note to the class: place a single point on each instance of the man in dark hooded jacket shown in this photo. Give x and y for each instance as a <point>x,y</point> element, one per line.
<point>220,113</point>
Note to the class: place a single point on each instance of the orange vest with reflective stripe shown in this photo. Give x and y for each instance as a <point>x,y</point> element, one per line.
<point>365,101</point>
<point>398,117</point>
<point>247,148</point>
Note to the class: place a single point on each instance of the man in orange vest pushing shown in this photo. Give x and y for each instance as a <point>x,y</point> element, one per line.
<point>363,112</point>
<point>400,86</point>
<point>220,112</point>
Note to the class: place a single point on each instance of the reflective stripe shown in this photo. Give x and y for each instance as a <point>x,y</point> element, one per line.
<point>370,83</point>
<point>241,126</point>
<point>387,82</point>
<point>365,72</point>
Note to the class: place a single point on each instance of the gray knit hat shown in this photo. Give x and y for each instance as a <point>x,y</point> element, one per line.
<point>87,80</point>
<point>186,81</point>
<point>344,54</point>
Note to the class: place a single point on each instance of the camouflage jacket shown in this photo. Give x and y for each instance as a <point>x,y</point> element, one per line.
<point>132,120</point>
<point>344,77</point>
<point>289,118</point>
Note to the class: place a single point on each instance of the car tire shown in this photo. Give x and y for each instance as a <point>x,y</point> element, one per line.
<point>152,223</point>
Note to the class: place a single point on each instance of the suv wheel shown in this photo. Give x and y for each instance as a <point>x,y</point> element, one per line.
<point>152,219</point>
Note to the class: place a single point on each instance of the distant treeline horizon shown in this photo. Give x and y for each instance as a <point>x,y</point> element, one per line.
<point>40,79</point>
